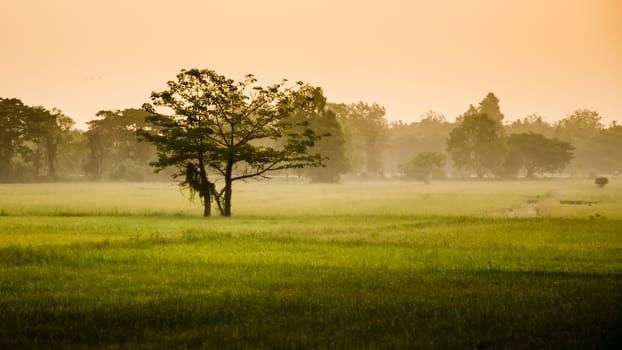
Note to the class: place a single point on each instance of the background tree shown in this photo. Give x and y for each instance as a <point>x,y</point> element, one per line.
<point>490,106</point>
<point>582,128</point>
<point>476,145</point>
<point>29,139</point>
<point>425,166</point>
<point>538,153</point>
<point>114,151</point>
<point>236,130</point>
<point>323,121</point>
<point>513,162</point>
<point>72,155</point>
<point>470,111</point>
<point>602,153</point>
<point>405,141</point>
<point>367,127</point>
<point>534,123</point>
<point>579,126</point>
<point>12,125</point>
<point>45,130</point>
<point>403,144</point>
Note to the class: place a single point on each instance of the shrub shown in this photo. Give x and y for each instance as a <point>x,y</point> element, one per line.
<point>425,166</point>
<point>601,181</point>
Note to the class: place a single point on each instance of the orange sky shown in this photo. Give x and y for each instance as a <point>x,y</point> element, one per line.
<point>538,56</point>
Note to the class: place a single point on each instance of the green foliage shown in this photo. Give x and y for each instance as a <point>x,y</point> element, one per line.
<point>12,125</point>
<point>237,130</point>
<point>537,153</point>
<point>425,166</point>
<point>533,123</point>
<point>29,141</point>
<point>367,131</point>
<point>580,125</point>
<point>597,148</point>
<point>477,145</point>
<point>406,140</point>
<point>601,153</point>
<point>73,155</point>
<point>127,170</point>
<point>323,121</point>
<point>114,151</point>
<point>601,181</point>
<point>490,106</point>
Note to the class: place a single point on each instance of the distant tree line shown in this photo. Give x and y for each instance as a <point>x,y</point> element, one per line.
<point>479,144</point>
<point>37,144</point>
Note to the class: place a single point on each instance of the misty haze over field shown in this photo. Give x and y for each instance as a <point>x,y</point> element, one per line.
<point>547,57</point>
<point>311,175</point>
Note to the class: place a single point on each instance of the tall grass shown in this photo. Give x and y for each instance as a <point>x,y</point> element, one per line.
<point>310,266</point>
<point>452,198</point>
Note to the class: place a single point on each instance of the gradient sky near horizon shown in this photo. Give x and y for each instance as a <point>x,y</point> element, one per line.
<point>538,56</point>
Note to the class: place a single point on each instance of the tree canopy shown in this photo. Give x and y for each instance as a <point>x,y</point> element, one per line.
<point>368,132</point>
<point>323,121</point>
<point>223,130</point>
<point>29,141</point>
<point>538,153</point>
<point>490,106</point>
<point>532,123</point>
<point>476,145</point>
<point>114,151</point>
<point>39,144</point>
<point>425,166</point>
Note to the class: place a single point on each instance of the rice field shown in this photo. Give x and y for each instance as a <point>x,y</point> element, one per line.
<point>364,265</point>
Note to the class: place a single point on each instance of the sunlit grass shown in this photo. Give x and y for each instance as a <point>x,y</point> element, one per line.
<point>356,265</point>
<point>453,198</point>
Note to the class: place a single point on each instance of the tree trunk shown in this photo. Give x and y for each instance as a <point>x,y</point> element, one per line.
<point>36,162</point>
<point>5,168</point>
<point>228,189</point>
<point>206,194</point>
<point>204,189</point>
<point>207,208</point>
<point>51,150</point>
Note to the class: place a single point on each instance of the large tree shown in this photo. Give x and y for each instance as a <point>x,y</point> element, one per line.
<point>580,125</point>
<point>581,128</point>
<point>532,123</point>
<point>368,131</point>
<point>29,139</point>
<point>12,128</point>
<point>114,151</point>
<point>490,106</point>
<point>45,130</point>
<point>476,145</point>
<point>537,153</point>
<point>425,166</point>
<point>603,152</point>
<point>407,140</point>
<point>222,130</point>
<point>323,121</point>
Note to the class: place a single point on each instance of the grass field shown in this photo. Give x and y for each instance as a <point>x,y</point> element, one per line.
<point>355,265</point>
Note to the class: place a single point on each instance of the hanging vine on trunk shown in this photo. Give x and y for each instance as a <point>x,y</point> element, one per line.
<point>196,183</point>
<point>234,130</point>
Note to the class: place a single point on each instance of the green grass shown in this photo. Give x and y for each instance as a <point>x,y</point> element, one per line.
<point>356,265</point>
<point>480,199</point>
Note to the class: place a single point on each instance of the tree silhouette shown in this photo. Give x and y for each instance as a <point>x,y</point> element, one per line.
<point>222,130</point>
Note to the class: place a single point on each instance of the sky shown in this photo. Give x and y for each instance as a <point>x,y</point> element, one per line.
<point>549,57</point>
